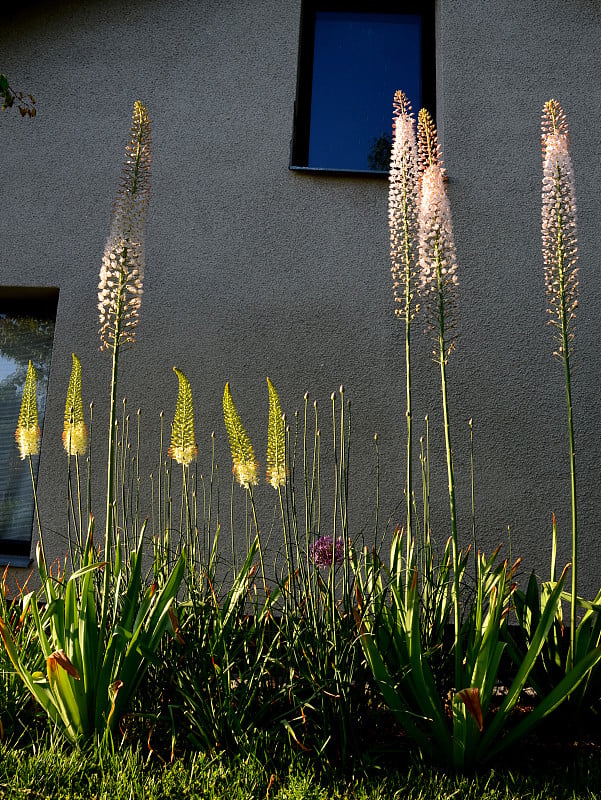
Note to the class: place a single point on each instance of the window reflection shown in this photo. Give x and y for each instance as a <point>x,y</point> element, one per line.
<point>26,332</point>
<point>359,61</point>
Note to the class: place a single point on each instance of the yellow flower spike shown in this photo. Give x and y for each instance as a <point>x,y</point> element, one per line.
<point>276,440</point>
<point>245,466</point>
<point>183,444</point>
<point>75,432</point>
<point>27,434</point>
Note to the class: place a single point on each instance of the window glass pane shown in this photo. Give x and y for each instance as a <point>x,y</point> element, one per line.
<point>359,61</point>
<point>26,332</point>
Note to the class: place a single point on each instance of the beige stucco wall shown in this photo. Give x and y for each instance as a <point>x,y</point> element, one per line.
<point>253,270</point>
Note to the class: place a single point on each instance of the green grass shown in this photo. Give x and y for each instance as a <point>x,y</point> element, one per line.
<point>53,771</point>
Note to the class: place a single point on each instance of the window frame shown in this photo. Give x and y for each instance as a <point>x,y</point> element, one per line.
<point>14,551</point>
<point>299,145</point>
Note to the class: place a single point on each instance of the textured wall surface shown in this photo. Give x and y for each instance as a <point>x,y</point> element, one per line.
<point>253,270</point>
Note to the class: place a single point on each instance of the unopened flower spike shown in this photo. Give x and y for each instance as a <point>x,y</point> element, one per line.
<point>428,146</point>
<point>122,271</point>
<point>27,434</point>
<point>75,432</point>
<point>276,440</point>
<point>183,443</point>
<point>438,261</point>
<point>244,464</point>
<point>559,232</point>
<point>403,203</point>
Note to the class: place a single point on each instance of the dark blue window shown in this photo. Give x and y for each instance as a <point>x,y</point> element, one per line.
<point>353,56</point>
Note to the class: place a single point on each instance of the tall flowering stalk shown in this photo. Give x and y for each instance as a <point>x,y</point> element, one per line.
<point>183,448</point>
<point>27,435</point>
<point>560,258</point>
<point>403,204</point>
<point>438,265</point>
<point>120,284</point>
<point>244,464</point>
<point>75,442</point>
<point>276,441</point>
<point>183,441</point>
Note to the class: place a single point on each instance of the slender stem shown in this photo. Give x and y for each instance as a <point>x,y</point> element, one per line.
<point>335,465</point>
<point>89,465</point>
<point>139,413</point>
<point>409,487</point>
<point>69,507</point>
<point>566,361</point>
<point>108,538</point>
<point>37,510</point>
<point>442,356</point>
<point>79,503</point>
<point>565,352</point>
<point>451,479</point>
<point>254,514</point>
<point>471,424</point>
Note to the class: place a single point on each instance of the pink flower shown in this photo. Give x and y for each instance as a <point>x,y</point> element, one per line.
<point>324,551</point>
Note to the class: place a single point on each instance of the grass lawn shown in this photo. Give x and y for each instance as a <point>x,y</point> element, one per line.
<point>53,771</point>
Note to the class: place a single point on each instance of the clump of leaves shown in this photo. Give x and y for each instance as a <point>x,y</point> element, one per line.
<point>25,103</point>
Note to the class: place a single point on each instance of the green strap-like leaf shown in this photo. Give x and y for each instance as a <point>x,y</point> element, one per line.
<point>243,455</point>
<point>183,442</point>
<point>276,440</point>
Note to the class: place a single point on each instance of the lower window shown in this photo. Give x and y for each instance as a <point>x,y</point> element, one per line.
<point>27,319</point>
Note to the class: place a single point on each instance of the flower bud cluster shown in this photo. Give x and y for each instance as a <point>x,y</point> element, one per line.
<point>27,435</point>
<point>120,291</point>
<point>246,472</point>
<point>28,441</point>
<point>559,232</point>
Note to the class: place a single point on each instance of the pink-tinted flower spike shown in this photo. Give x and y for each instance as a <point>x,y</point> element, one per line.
<point>437,256</point>
<point>559,232</point>
<point>403,202</point>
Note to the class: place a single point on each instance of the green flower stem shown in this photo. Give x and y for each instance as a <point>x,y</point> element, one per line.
<point>574,515</point>
<point>78,478</point>
<point>37,509</point>
<point>260,546</point>
<point>69,510</point>
<point>471,424</point>
<point>89,467</point>
<point>568,382</point>
<point>451,478</point>
<point>409,442</point>
<point>450,473</point>
<point>565,352</point>
<point>108,538</point>
<point>408,383</point>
